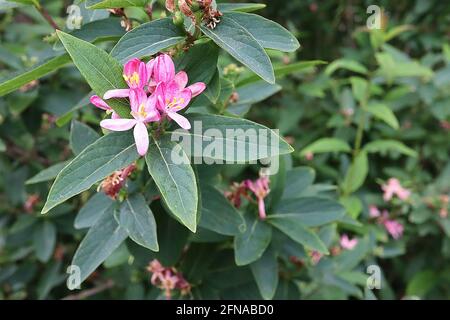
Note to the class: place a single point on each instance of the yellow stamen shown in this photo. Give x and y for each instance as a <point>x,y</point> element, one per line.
<point>176,103</point>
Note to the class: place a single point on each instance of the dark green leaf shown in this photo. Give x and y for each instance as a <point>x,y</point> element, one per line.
<point>81,135</point>
<point>250,245</point>
<point>111,152</point>
<point>136,217</point>
<point>171,170</point>
<point>103,238</point>
<point>147,39</point>
<point>265,272</point>
<point>237,41</point>
<point>218,214</point>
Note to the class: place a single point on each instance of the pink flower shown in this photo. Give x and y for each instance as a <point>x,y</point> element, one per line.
<point>171,100</point>
<point>374,212</point>
<point>260,188</point>
<point>136,76</point>
<point>348,243</point>
<point>163,70</point>
<point>99,103</point>
<point>394,228</point>
<point>393,187</point>
<point>143,110</point>
<point>316,256</point>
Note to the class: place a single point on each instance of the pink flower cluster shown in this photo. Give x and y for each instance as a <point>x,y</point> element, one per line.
<point>393,187</point>
<point>259,187</point>
<point>392,226</point>
<point>167,279</point>
<point>347,243</point>
<point>155,92</point>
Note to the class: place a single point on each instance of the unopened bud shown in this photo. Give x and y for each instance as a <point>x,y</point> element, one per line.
<point>178,19</point>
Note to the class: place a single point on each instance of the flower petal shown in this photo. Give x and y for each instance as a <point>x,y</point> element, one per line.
<point>118,124</point>
<point>141,137</point>
<point>99,103</point>
<point>178,118</point>
<point>163,68</point>
<point>116,93</point>
<point>137,97</point>
<point>197,88</point>
<point>181,80</point>
<point>184,97</point>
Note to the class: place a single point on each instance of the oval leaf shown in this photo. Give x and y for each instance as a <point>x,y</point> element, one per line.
<point>136,217</point>
<point>238,42</point>
<point>147,39</point>
<point>111,152</point>
<point>170,169</point>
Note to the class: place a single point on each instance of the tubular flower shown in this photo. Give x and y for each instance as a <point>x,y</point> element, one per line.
<point>136,75</point>
<point>171,100</point>
<point>260,188</point>
<point>394,228</point>
<point>143,110</point>
<point>347,243</point>
<point>393,187</point>
<point>101,104</point>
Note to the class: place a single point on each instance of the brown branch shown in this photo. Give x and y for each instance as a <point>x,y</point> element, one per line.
<point>44,13</point>
<point>90,292</point>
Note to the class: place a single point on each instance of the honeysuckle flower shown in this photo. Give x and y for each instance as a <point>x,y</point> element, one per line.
<point>163,70</point>
<point>101,104</point>
<point>167,279</point>
<point>171,100</point>
<point>234,195</point>
<point>315,256</point>
<point>143,110</point>
<point>136,75</point>
<point>393,187</point>
<point>260,188</point>
<point>112,184</point>
<point>374,212</point>
<point>348,243</point>
<point>394,228</point>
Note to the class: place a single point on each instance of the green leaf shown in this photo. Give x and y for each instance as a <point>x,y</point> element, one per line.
<point>351,65</point>
<point>48,173</point>
<point>200,62</point>
<point>81,135</point>
<point>238,42</point>
<point>212,91</point>
<point>92,210</point>
<point>384,113</point>
<point>102,239</point>
<point>292,226</point>
<point>18,79</point>
<point>111,152</point>
<point>99,30</point>
<point>170,169</point>
<point>356,174</point>
<point>384,146</point>
<point>107,4</point>
<point>284,70</point>
<point>218,214</point>
<point>172,238</point>
<point>269,34</point>
<point>241,7</point>
<point>421,283</point>
<point>250,245</point>
<point>252,93</point>
<point>44,240</point>
<point>360,89</point>
<point>310,211</point>
<point>218,137</point>
<point>324,145</point>
<point>136,217</point>
<point>265,272</point>
<point>100,70</point>
<point>298,180</point>
<point>147,39</point>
